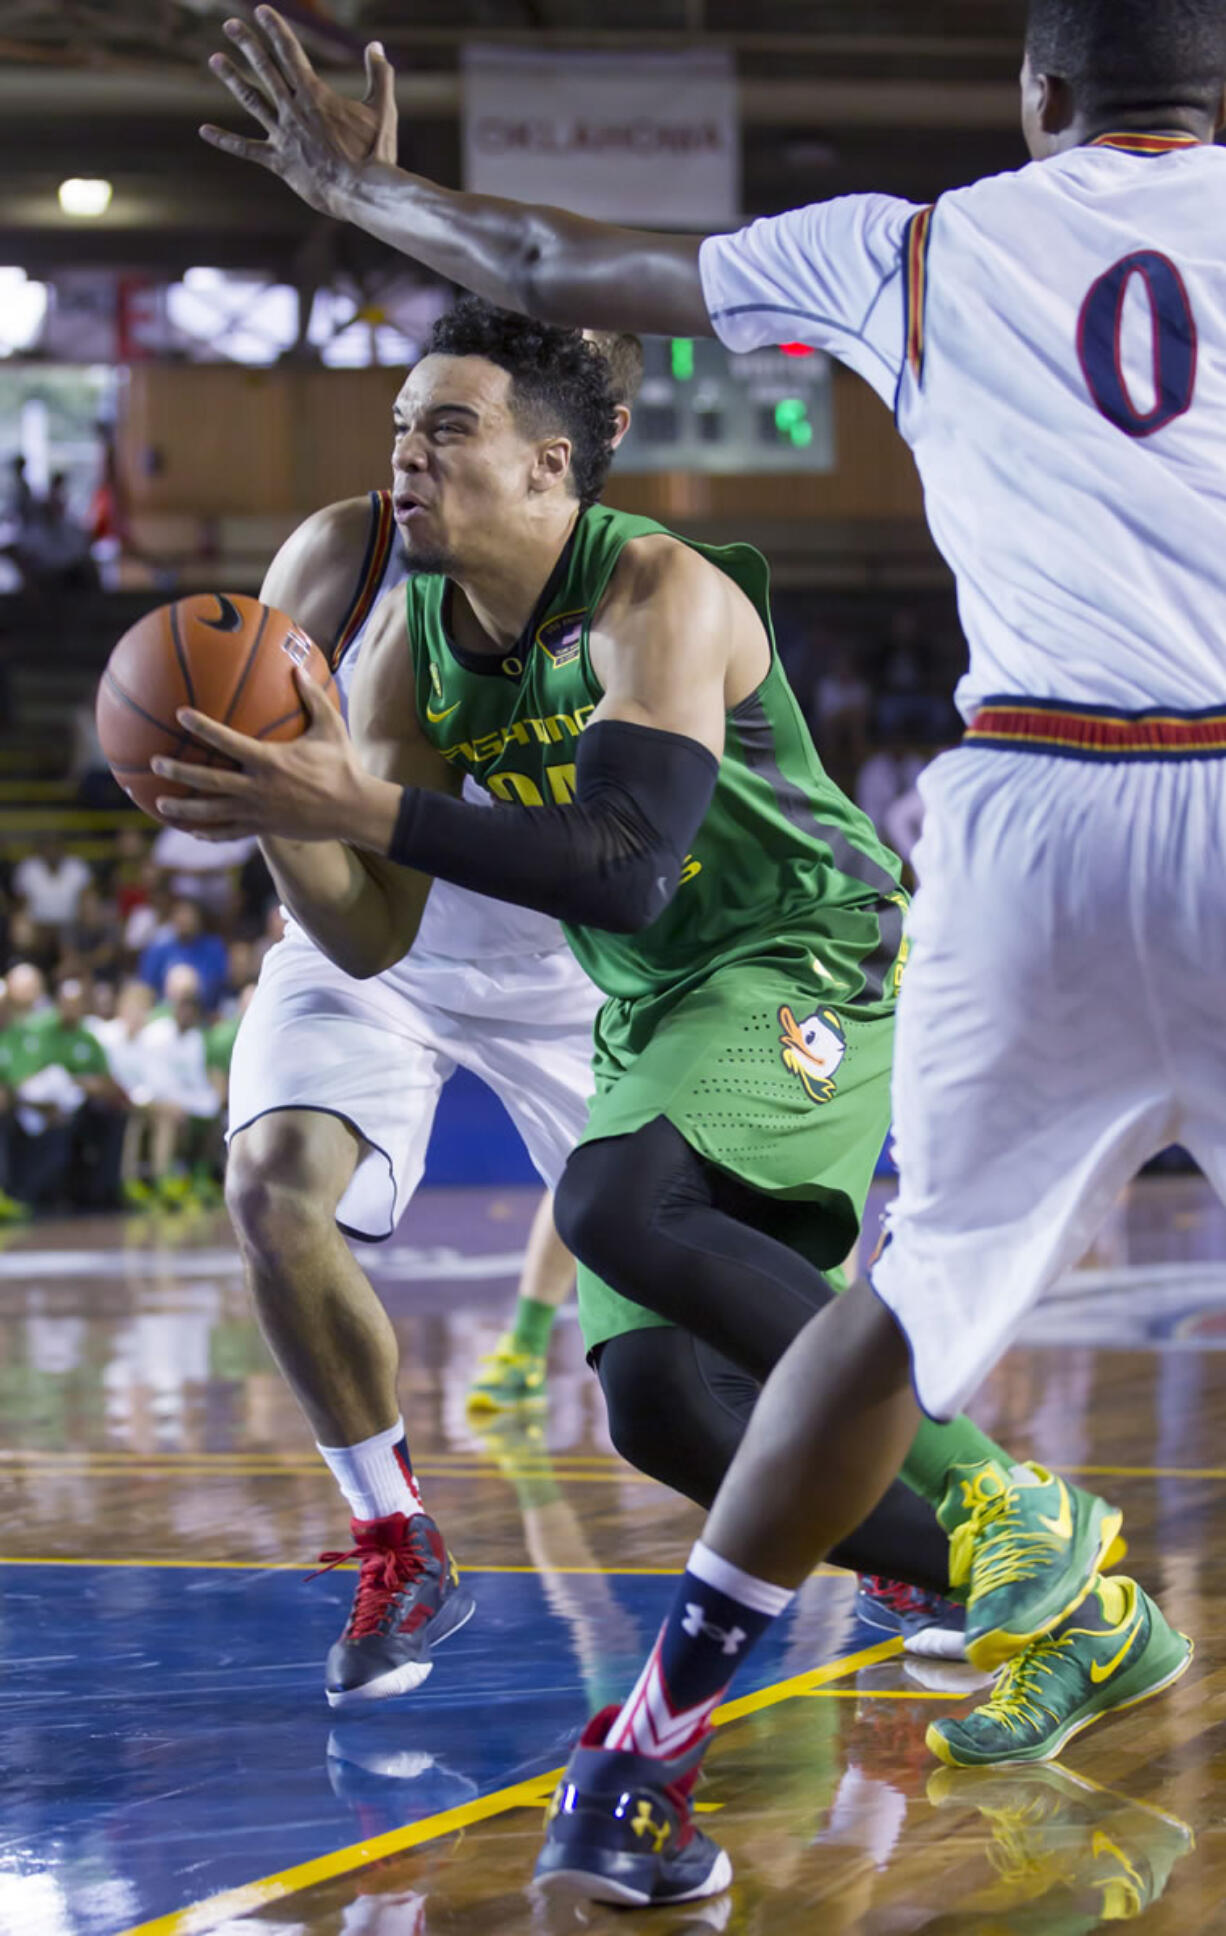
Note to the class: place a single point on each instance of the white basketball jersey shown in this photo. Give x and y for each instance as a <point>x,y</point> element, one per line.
<point>457,924</point>
<point>1054,344</point>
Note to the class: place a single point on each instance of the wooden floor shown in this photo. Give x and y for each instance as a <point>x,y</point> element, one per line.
<point>167,1761</point>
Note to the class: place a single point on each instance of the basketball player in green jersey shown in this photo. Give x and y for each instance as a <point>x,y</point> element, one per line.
<point>617,691</point>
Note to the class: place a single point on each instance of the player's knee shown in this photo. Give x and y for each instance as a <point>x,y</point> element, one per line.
<point>599,1215</point>
<point>660,1419</point>
<point>281,1189</point>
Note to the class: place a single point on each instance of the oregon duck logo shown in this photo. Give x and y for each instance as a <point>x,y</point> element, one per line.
<point>812,1050</point>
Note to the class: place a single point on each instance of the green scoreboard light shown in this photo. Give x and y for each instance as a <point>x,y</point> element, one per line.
<point>703,409</point>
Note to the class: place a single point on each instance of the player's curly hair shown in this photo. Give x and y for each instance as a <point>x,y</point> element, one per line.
<point>1132,55</point>
<point>559,381</point>
<point>624,355</point>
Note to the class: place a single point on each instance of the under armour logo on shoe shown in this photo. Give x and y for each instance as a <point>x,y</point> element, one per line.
<point>645,1823</point>
<point>731,1640</point>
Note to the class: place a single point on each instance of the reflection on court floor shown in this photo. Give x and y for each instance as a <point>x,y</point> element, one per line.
<point>168,1763</point>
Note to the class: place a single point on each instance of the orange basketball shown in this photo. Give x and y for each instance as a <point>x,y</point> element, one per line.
<point>227,656</point>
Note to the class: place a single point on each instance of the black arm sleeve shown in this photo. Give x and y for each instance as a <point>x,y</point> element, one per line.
<point>612,859</point>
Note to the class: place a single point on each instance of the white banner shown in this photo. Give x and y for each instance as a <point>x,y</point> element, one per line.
<point>642,138</point>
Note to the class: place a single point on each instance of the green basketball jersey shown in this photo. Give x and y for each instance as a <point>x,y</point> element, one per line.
<point>784,867</point>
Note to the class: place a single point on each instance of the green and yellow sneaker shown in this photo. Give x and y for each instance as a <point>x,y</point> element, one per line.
<point>1026,1547</point>
<point>1087,1854</point>
<point>1116,1650</point>
<point>511,1377</point>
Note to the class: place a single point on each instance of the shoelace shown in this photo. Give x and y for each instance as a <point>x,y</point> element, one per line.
<point>993,1548</point>
<point>1015,1698</point>
<point>385,1572</point>
<point>1014,1851</point>
<point>899,1597</point>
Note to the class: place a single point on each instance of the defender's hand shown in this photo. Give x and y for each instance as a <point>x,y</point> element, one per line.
<point>317,139</point>
<point>299,789</point>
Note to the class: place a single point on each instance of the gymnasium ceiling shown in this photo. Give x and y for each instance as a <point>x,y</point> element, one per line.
<point>837,95</point>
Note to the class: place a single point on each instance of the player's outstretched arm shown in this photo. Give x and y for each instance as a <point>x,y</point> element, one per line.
<point>674,645</point>
<point>542,261</point>
<point>674,648</point>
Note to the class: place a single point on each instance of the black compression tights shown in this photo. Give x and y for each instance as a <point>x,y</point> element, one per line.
<point>673,1233</point>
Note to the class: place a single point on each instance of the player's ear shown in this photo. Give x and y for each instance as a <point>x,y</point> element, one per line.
<point>552,464</point>
<point>621,416</point>
<point>1057,108</point>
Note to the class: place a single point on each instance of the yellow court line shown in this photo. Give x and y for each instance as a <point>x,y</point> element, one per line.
<point>1145,1471</point>
<point>244,1900</point>
<point>886,1694</point>
<point>573,1470</point>
<point>93,1471</point>
<point>301,1566</point>
<point>110,1455</point>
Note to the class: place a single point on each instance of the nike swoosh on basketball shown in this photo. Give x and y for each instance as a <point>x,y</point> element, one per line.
<point>1062,1526</point>
<point>1099,1674</point>
<point>229,618</point>
<point>436,719</point>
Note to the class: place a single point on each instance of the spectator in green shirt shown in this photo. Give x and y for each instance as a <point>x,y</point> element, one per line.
<point>65,1120</point>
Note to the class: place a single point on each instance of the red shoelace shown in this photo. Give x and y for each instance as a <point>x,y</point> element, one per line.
<point>899,1596</point>
<point>387,1567</point>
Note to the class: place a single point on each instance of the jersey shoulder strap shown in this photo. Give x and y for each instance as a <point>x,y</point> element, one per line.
<point>381,538</point>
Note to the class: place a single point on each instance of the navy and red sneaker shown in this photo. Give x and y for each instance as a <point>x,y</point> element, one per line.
<point>619,1829</point>
<point>408,1598</point>
<point>926,1623</point>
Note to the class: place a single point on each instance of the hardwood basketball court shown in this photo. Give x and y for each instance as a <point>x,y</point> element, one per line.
<point>168,1763</point>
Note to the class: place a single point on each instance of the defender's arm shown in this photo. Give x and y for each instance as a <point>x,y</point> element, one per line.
<point>540,260</point>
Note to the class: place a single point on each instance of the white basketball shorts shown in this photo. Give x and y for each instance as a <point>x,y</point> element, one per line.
<point>1062,1018</point>
<point>377,1053</point>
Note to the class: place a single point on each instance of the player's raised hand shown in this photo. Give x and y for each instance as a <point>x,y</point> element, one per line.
<point>316,138</point>
<point>295,789</point>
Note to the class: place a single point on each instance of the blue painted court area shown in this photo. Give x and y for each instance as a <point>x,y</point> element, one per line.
<point>164,1733</point>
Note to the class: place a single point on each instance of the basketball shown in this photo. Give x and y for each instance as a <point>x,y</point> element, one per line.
<point>226,655</point>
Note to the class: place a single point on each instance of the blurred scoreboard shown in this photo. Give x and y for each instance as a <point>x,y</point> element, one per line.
<point>703,409</point>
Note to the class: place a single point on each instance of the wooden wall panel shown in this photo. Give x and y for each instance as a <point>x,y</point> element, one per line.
<point>208,440</point>
<point>342,434</point>
<point>232,442</point>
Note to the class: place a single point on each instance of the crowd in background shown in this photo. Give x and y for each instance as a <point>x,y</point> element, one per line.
<point>123,989</point>
<point>875,686</point>
<point>51,551</point>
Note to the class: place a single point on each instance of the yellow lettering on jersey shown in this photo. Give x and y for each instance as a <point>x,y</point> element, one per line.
<point>516,789</point>
<point>901,963</point>
<point>561,783</point>
<point>691,868</point>
<point>522,732</point>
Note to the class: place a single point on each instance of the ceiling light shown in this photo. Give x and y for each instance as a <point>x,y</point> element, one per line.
<point>82,196</point>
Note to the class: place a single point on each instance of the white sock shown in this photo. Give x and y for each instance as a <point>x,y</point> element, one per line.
<point>375,1475</point>
<point>727,1578</point>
